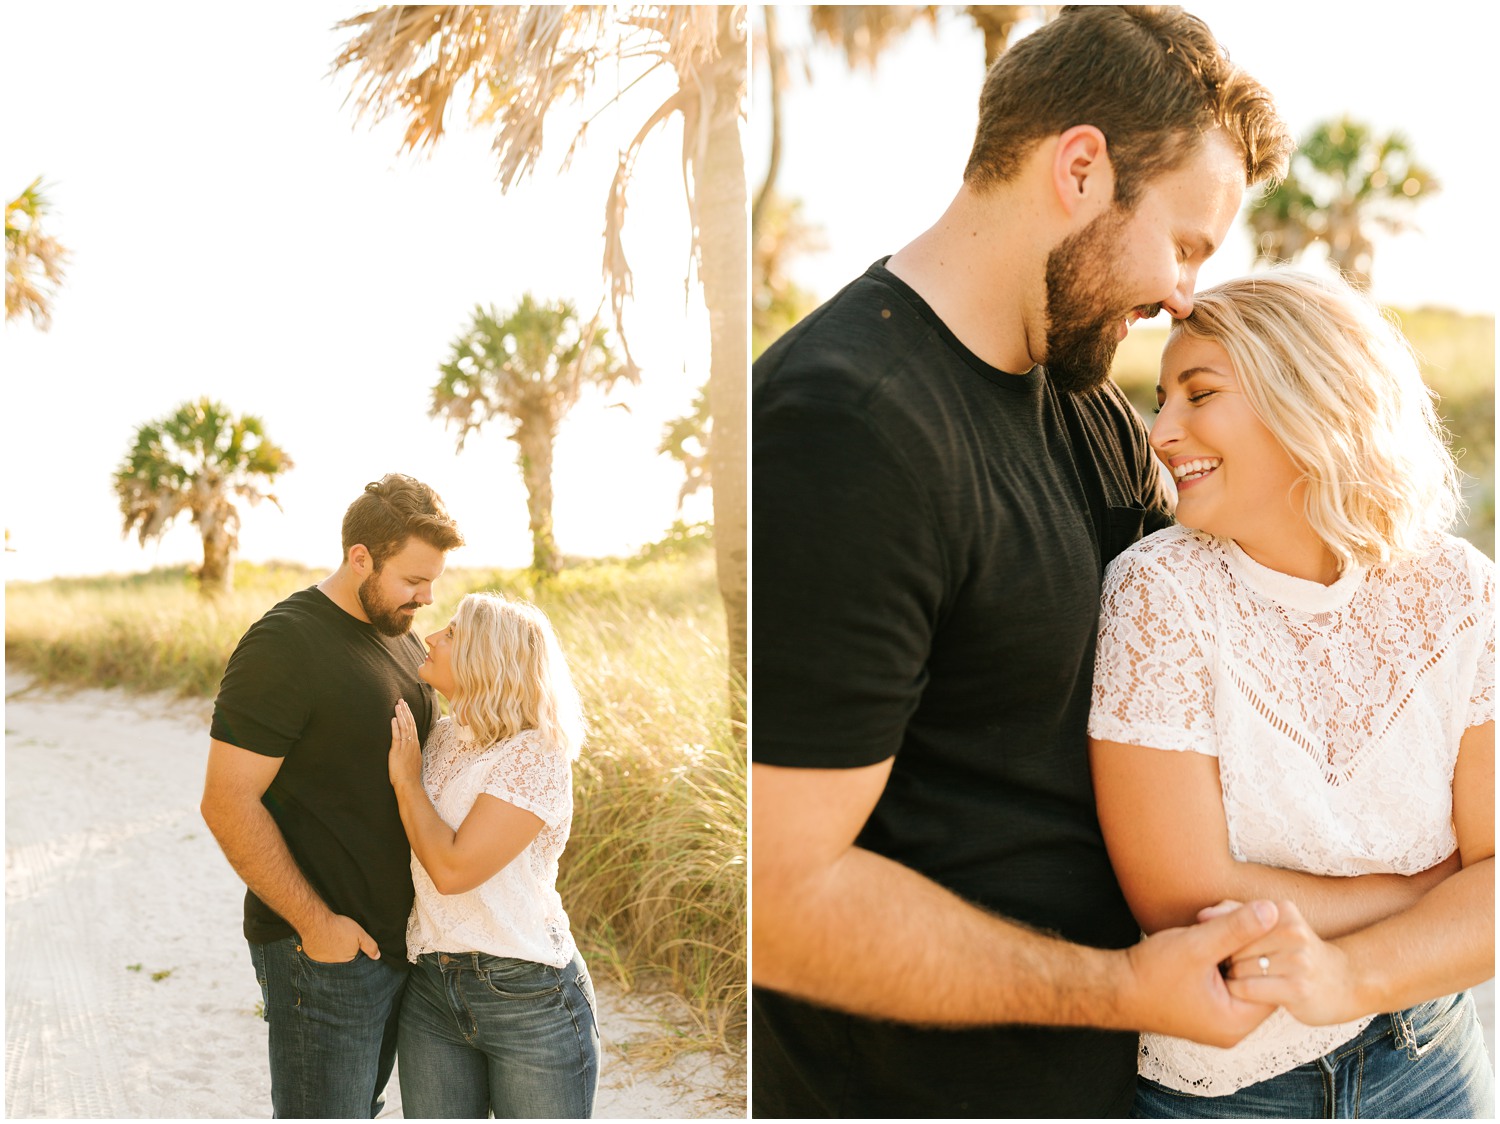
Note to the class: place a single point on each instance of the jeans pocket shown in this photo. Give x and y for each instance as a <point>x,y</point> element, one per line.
<point>359,955</point>
<point>520,979</point>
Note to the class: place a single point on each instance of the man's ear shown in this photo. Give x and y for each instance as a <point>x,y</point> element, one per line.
<point>1082,173</point>
<point>360,561</point>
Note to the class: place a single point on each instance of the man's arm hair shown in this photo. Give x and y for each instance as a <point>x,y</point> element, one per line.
<point>843,927</point>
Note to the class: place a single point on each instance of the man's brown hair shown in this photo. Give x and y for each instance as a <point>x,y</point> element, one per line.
<point>1152,79</point>
<point>394,509</point>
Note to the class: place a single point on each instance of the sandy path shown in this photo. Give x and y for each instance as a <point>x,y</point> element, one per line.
<point>128,988</point>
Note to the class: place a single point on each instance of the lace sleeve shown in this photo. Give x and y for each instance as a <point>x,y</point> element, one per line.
<point>1482,696</point>
<point>532,775</point>
<point>1152,681</point>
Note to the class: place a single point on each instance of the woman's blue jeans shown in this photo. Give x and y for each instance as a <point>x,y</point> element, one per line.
<point>333,1030</point>
<point>1428,1061</point>
<point>487,1034</point>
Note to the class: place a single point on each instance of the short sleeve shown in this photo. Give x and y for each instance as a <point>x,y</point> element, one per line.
<point>847,586</point>
<point>264,699</point>
<point>1153,684</point>
<point>533,776</point>
<point>1482,691</point>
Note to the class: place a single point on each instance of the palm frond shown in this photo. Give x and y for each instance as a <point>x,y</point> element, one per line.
<point>35,262</point>
<point>191,461</point>
<point>514,64</point>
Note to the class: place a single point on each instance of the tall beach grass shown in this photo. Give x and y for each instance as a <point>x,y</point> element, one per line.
<point>654,877</point>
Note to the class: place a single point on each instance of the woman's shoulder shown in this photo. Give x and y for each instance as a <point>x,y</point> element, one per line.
<point>1452,562</point>
<point>524,745</point>
<point>1171,553</point>
<point>1480,567</point>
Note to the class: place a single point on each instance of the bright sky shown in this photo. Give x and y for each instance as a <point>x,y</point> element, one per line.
<point>235,234</point>
<point>876,158</point>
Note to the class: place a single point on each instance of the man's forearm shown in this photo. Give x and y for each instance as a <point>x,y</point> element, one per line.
<point>869,936</point>
<point>875,938</point>
<point>256,849</point>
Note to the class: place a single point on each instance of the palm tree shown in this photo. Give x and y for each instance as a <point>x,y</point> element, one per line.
<point>1344,179</point>
<point>527,368</point>
<point>34,260</point>
<point>513,65</point>
<point>198,459</point>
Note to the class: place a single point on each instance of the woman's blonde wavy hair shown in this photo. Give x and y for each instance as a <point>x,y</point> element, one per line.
<point>509,674</point>
<point>1338,386</point>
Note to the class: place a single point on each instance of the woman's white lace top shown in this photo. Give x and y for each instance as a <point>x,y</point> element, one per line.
<point>517,912</point>
<point>1335,713</point>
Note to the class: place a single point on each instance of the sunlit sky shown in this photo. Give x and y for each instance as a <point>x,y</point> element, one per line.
<point>877,157</point>
<point>235,233</point>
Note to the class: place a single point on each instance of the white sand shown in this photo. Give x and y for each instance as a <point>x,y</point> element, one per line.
<point>128,987</point>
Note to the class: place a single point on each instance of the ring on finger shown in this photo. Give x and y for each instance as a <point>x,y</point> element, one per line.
<point>1265,965</point>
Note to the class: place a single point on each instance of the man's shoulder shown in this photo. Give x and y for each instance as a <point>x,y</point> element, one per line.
<point>846,351</point>
<point>295,619</point>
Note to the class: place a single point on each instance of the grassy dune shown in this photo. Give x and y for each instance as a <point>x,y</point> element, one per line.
<point>1457,353</point>
<point>654,875</point>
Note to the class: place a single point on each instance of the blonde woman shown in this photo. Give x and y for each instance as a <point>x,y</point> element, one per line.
<point>1294,700</point>
<point>498,1016</point>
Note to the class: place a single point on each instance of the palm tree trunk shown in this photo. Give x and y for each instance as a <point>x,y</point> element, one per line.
<point>217,573</point>
<point>535,437</point>
<point>777,67</point>
<point>722,200</point>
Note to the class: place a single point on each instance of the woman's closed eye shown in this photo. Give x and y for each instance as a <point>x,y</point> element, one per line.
<point>1196,398</point>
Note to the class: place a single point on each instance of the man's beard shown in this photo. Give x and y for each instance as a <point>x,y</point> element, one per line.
<point>387,618</point>
<point>1083,314</point>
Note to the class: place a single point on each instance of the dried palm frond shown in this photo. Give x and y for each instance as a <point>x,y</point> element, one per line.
<point>864,31</point>
<point>515,64</point>
<point>708,52</point>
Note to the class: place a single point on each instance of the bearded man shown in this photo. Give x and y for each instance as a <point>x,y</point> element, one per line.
<point>298,796</point>
<point>942,471</point>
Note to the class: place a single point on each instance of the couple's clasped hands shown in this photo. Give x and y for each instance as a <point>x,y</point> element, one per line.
<point>1216,981</point>
<point>1291,966</point>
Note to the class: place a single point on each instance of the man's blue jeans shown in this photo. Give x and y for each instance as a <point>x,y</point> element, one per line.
<point>1428,1061</point>
<point>482,1034</point>
<point>333,1030</point>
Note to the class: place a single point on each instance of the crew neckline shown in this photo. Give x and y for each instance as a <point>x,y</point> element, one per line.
<point>1025,382</point>
<point>1301,594</point>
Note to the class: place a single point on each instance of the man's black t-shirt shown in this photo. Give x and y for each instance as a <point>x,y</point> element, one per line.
<point>316,687</point>
<point>930,535</point>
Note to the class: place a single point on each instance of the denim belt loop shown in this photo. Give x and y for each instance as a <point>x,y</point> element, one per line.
<point>1406,1038</point>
